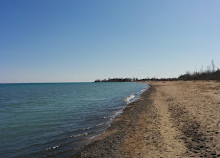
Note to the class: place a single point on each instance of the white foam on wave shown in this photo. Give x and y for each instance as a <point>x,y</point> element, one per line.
<point>129,98</point>
<point>52,148</point>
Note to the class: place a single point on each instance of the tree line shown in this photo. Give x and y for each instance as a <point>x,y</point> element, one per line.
<point>211,73</point>
<point>135,79</point>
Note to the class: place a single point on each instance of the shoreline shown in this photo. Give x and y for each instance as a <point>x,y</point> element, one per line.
<point>170,119</point>
<point>108,143</point>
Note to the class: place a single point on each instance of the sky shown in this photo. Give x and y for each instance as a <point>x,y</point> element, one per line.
<point>84,40</point>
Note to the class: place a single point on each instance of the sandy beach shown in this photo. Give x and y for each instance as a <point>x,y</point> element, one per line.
<point>171,119</point>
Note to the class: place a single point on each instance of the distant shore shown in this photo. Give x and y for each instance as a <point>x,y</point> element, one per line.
<point>171,119</point>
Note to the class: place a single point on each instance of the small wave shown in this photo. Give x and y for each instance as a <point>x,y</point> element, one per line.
<point>84,129</point>
<point>106,117</point>
<point>82,134</point>
<point>78,135</point>
<point>88,128</point>
<point>54,147</point>
<point>118,112</point>
<point>87,133</point>
<point>100,124</point>
<point>129,98</point>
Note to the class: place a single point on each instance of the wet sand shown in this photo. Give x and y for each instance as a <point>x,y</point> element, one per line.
<point>171,119</point>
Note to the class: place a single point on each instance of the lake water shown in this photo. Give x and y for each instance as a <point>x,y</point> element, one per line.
<point>55,119</point>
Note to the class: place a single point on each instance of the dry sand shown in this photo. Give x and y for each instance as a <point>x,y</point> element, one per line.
<point>171,119</point>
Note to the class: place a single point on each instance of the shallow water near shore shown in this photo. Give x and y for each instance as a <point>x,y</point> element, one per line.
<point>55,119</point>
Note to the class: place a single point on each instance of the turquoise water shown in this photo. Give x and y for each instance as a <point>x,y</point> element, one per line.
<point>55,119</point>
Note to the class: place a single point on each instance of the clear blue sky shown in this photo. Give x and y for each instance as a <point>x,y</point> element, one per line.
<point>84,40</point>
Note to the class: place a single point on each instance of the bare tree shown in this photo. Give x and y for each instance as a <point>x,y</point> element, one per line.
<point>213,66</point>
<point>201,70</point>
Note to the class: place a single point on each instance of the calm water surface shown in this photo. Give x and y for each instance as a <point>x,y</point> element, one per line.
<point>55,119</point>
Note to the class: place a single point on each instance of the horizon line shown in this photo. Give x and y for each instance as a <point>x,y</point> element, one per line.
<point>42,82</point>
